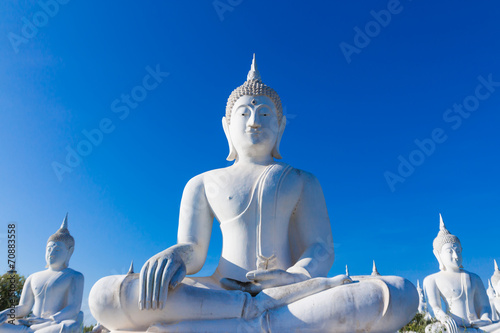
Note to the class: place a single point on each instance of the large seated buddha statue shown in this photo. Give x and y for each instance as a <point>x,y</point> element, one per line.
<point>51,299</point>
<point>277,249</point>
<point>466,305</point>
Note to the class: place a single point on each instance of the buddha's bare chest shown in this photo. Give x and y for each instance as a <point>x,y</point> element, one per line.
<point>451,287</point>
<point>233,193</point>
<point>49,280</point>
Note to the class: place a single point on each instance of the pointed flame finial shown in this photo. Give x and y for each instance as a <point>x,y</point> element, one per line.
<point>496,265</point>
<point>418,285</point>
<point>346,270</point>
<point>441,223</point>
<point>253,74</point>
<point>374,270</point>
<point>64,224</point>
<point>131,269</point>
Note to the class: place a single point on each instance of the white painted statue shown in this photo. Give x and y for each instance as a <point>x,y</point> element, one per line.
<point>422,303</point>
<point>51,299</point>
<point>467,308</point>
<point>494,292</point>
<point>492,296</point>
<point>277,249</point>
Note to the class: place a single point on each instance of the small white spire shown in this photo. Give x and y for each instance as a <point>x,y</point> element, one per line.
<point>441,223</point>
<point>253,74</point>
<point>496,265</point>
<point>418,284</point>
<point>346,270</point>
<point>374,270</point>
<point>131,269</point>
<point>64,224</point>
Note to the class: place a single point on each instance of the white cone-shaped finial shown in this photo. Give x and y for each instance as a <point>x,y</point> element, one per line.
<point>441,223</point>
<point>64,224</point>
<point>253,74</point>
<point>131,269</point>
<point>418,284</point>
<point>346,270</point>
<point>374,270</point>
<point>496,265</point>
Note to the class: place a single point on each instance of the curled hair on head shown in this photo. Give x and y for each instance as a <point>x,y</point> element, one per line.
<point>253,86</point>
<point>444,237</point>
<point>63,235</point>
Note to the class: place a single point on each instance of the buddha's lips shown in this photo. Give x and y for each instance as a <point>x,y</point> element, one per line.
<point>253,132</point>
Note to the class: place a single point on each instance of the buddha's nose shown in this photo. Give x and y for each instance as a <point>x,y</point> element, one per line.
<point>253,121</point>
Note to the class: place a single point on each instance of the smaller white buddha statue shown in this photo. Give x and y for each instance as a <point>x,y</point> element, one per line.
<point>494,292</point>
<point>466,305</point>
<point>51,299</point>
<point>491,296</point>
<point>422,302</point>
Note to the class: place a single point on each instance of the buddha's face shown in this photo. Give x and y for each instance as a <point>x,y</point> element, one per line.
<point>57,255</point>
<point>254,125</point>
<point>451,256</point>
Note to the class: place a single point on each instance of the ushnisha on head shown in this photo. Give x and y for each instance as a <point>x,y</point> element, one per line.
<point>253,86</point>
<point>254,99</point>
<point>60,247</point>
<point>447,248</point>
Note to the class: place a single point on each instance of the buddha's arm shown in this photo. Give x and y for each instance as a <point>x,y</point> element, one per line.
<point>434,298</point>
<point>312,225</point>
<point>481,301</point>
<point>74,300</point>
<point>167,268</point>
<point>195,224</point>
<point>26,301</point>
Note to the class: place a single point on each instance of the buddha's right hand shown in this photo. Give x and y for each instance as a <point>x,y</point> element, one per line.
<point>161,272</point>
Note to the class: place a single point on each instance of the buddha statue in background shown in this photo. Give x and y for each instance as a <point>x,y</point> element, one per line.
<point>277,249</point>
<point>51,299</point>
<point>494,292</point>
<point>467,307</point>
<point>422,303</point>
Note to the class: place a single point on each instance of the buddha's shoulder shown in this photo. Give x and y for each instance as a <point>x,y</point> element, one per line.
<point>431,279</point>
<point>72,272</point>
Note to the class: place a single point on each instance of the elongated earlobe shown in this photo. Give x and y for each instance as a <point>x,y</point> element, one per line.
<point>276,149</point>
<point>232,152</point>
<point>441,266</point>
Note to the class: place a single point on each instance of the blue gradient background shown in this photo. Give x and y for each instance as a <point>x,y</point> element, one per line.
<point>347,124</point>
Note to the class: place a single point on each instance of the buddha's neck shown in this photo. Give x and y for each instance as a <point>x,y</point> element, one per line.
<point>254,160</point>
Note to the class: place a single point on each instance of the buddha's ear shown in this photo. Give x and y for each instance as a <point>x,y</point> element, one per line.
<point>438,257</point>
<point>232,152</point>
<point>276,149</point>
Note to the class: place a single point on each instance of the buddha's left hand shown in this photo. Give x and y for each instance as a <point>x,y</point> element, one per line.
<point>274,277</point>
<point>262,279</point>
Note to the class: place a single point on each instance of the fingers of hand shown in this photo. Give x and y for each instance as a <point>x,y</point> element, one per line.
<point>260,275</point>
<point>142,285</point>
<point>168,272</point>
<point>157,282</point>
<point>149,283</point>
<point>178,276</point>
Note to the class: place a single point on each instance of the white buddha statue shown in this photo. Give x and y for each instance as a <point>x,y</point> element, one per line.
<point>494,292</point>
<point>492,298</point>
<point>277,249</point>
<point>51,299</point>
<point>422,303</point>
<point>466,305</point>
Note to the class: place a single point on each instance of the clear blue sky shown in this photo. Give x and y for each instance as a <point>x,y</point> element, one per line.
<point>355,102</point>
